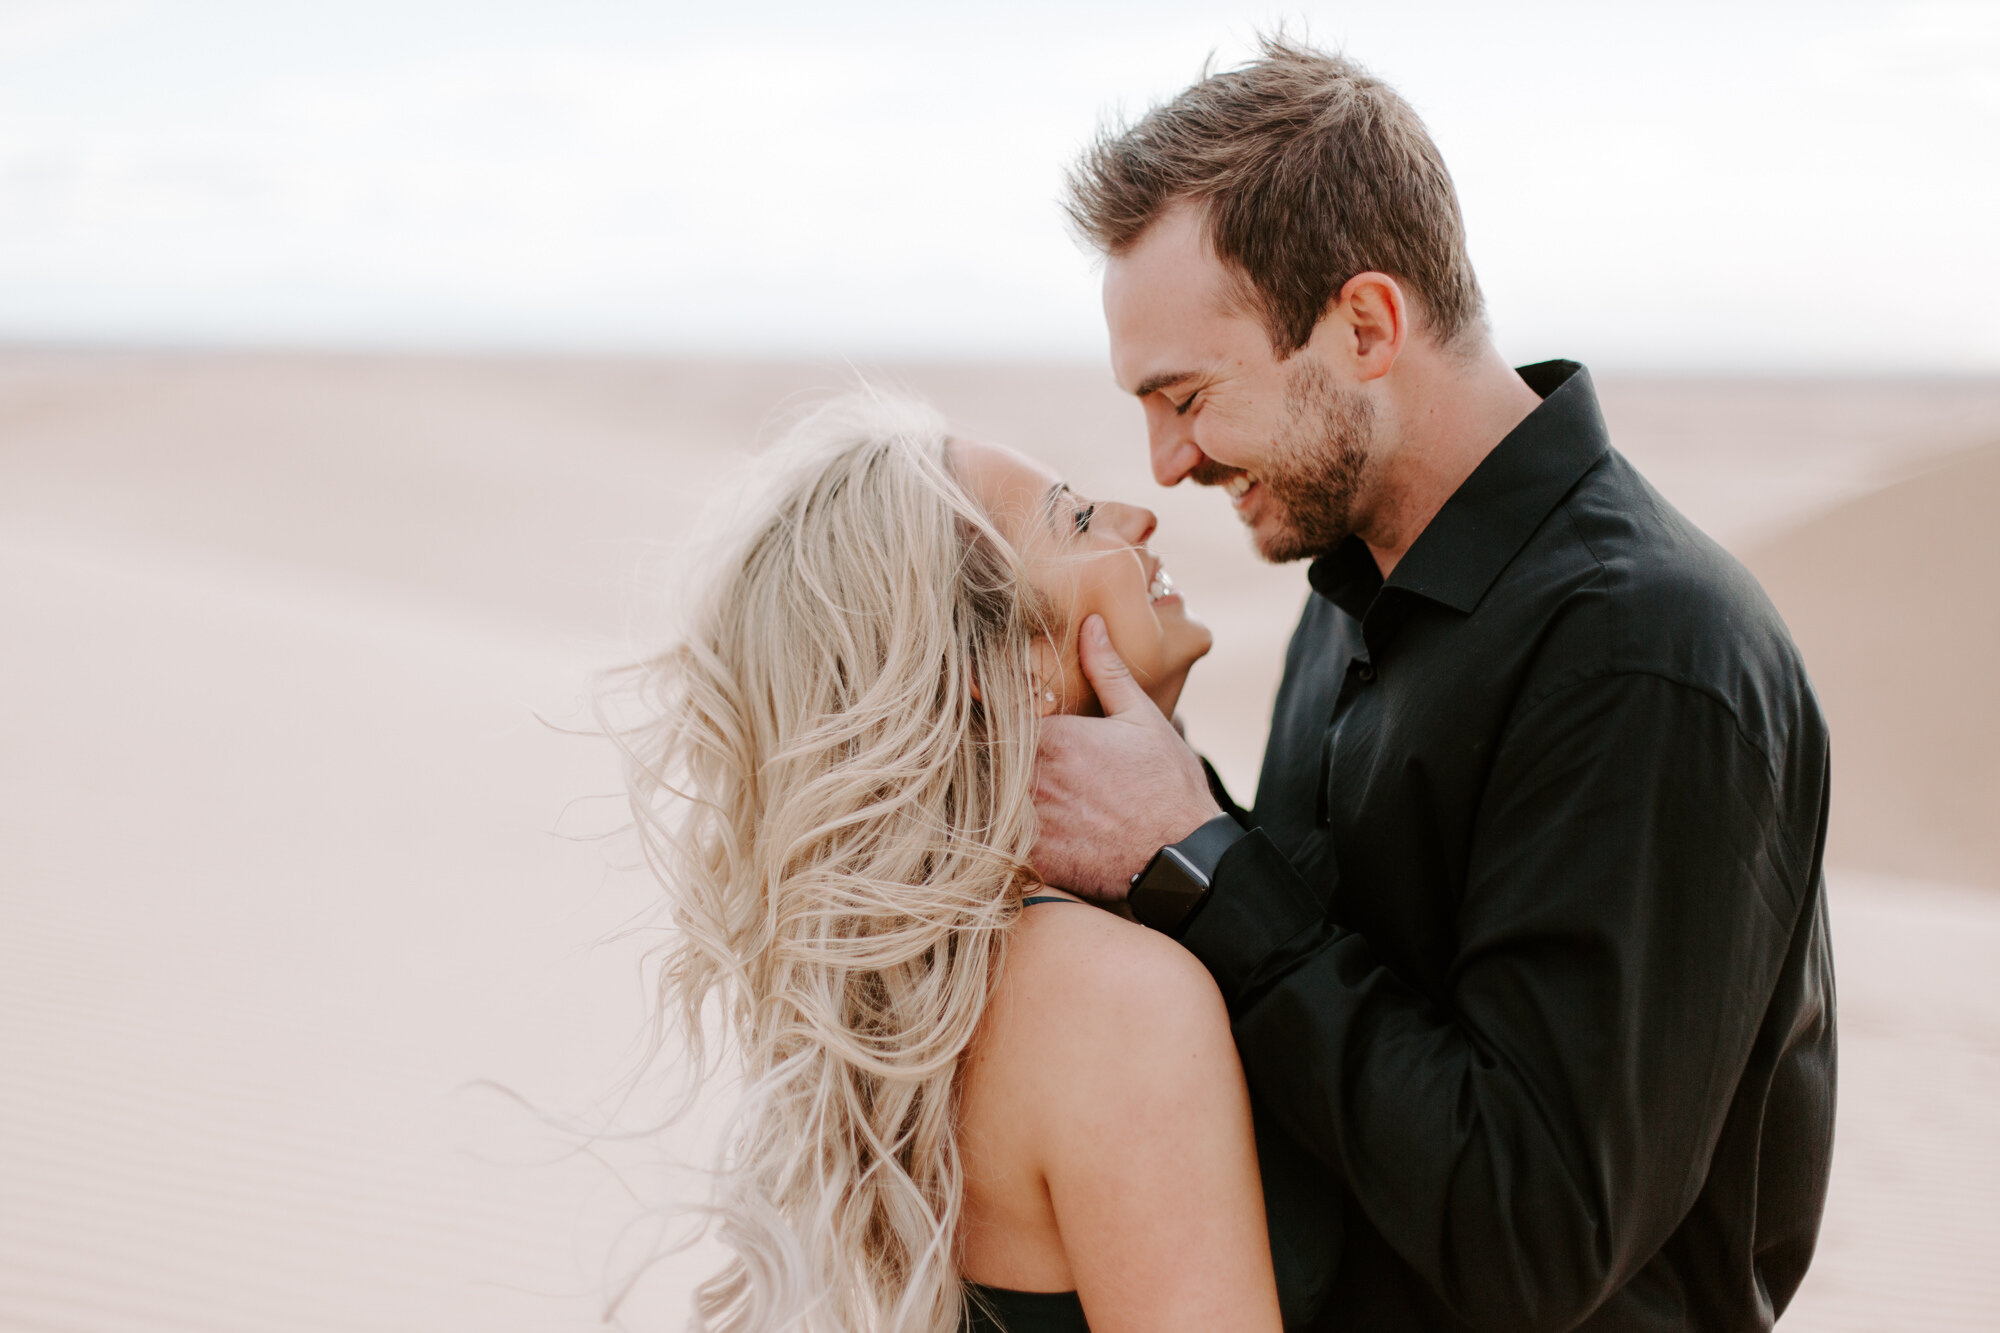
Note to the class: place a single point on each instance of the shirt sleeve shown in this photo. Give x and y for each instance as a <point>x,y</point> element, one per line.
<point>1527,1140</point>
<point>1220,792</point>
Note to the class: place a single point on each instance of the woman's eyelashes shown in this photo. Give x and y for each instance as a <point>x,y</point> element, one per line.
<point>1081,519</point>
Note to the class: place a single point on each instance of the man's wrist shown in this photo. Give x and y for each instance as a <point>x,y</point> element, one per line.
<point>1176,882</point>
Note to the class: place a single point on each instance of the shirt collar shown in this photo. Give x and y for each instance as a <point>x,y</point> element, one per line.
<point>1493,512</point>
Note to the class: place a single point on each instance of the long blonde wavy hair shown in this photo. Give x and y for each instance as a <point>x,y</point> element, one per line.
<point>842,826</point>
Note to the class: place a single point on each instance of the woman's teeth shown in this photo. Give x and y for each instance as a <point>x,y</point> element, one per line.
<point>1161,587</point>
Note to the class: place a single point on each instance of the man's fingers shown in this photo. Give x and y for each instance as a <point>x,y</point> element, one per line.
<point>1107,672</point>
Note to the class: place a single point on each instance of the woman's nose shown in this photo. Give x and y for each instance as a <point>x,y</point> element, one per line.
<point>1134,523</point>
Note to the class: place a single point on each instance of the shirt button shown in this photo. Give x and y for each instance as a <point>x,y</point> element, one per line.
<point>1366,673</point>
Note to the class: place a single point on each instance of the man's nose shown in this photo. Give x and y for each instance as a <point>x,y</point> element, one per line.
<point>1171,441</point>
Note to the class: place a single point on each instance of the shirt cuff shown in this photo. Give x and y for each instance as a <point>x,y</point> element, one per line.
<point>1257,904</point>
<point>1221,793</point>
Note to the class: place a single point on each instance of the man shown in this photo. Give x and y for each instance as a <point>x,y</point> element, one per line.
<point>1525,939</point>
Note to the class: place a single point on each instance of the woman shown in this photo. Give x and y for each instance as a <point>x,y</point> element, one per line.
<point>969,1099</point>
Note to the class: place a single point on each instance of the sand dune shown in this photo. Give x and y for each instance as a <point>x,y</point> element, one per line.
<point>1893,600</point>
<point>274,879</point>
<point>279,869</point>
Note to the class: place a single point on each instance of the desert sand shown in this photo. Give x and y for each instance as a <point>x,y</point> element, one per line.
<point>1892,598</point>
<point>295,853</point>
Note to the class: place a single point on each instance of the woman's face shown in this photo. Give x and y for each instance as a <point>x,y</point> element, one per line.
<point>1087,557</point>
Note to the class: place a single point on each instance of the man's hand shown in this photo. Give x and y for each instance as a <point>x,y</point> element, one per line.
<point>1111,791</point>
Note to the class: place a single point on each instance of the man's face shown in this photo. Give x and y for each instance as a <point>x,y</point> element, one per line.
<point>1287,441</point>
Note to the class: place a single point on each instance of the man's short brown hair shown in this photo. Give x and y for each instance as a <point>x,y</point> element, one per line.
<point>1308,171</point>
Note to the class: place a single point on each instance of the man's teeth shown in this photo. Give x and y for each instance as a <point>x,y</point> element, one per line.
<point>1238,486</point>
<point>1161,586</point>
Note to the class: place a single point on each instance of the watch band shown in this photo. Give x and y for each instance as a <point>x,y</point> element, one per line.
<point>1166,894</point>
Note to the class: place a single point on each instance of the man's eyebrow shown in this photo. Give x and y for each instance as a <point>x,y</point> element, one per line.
<point>1154,383</point>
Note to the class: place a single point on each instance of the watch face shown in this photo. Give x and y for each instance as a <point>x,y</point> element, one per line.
<point>1167,890</point>
<point>1185,868</point>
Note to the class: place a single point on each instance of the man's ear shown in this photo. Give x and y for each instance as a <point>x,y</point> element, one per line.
<point>1372,322</point>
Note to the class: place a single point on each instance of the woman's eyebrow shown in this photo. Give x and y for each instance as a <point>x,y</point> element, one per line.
<point>1049,498</point>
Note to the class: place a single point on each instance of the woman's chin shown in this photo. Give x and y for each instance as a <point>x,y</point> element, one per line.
<point>1199,640</point>
<point>1167,691</point>
<point>1185,630</point>
<point>1191,650</point>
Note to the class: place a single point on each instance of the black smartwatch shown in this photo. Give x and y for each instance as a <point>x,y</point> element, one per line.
<point>1175,882</point>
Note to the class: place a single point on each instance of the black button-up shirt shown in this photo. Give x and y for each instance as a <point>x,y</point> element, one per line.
<point>1527,950</point>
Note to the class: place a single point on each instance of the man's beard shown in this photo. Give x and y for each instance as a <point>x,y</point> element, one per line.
<point>1315,468</point>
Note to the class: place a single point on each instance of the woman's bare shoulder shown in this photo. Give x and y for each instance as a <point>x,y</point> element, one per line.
<point>1114,1120</point>
<point>1093,1022</point>
<point>1095,997</point>
<point>1075,950</point>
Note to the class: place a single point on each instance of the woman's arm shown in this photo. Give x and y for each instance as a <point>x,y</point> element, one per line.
<point>1146,1143</point>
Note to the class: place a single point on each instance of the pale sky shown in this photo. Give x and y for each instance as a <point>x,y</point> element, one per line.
<point>1736,186</point>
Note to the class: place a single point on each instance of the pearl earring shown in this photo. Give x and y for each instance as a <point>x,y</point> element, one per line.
<point>1049,696</point>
